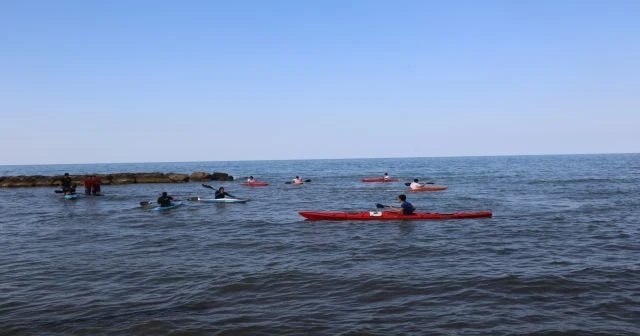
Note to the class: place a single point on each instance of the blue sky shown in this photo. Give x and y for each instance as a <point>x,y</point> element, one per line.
<point>158,81</point>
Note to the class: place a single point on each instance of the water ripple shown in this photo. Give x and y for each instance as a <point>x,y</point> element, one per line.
<point>558,258</point>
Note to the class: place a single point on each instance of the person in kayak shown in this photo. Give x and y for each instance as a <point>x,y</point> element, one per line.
<point>406,208</point>
<point>66,184</point>
<point>415,184</point>
<point>250,179</point>
<point>297,180</point>
<point>386,176</point>
<point>220,193</point>
<point>165,200</point>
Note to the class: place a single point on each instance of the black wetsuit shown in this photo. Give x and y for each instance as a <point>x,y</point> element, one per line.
<point>66,184</point>
<point>222,194</point>
<point>165,201</point>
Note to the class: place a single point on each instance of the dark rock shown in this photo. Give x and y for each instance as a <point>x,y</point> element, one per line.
<point>109,179</point>
<point>121,178</point>
<point>177,177</point>
<point>200,176</point>
<point>217,176</point>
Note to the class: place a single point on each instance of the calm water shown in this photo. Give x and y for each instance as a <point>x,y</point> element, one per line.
<point>560,256</point>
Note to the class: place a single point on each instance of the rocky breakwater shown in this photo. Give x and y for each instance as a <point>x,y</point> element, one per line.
<point>112,179</point>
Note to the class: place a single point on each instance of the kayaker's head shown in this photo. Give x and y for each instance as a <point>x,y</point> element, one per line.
<point>66,174</point>
<point>164,193</point>
<point>402,197</point>
<point>415,180</point>
<point>385,173</point>
<point>221,189</point>
<point>297,177</point>
<point>251,177</point>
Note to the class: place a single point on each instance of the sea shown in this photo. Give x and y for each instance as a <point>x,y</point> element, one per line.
<point>560,256</point>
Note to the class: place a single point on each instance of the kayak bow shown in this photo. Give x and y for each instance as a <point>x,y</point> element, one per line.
<point>219,200</point>
<point>428,188</point>
<point>390,215</point>
<point>255,184</point>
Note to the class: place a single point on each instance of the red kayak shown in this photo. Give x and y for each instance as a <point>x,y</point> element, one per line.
<point>378,179</point>
<point>427,188</point>
<point>390,215</point>
<point>255,184</point>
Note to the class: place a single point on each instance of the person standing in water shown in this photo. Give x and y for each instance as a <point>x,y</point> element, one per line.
<point>95,185</point>
<point>88,183</point>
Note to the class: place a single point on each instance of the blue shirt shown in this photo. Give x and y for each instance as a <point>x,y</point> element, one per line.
<point>407,208</point>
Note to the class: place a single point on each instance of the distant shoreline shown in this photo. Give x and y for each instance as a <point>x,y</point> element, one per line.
<point>22,181</point>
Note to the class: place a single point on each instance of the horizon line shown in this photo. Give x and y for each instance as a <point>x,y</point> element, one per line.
<point>353,158</point>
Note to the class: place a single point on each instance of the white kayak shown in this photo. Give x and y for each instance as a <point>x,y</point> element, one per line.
<point>218,200</point>
<point>71,196</point>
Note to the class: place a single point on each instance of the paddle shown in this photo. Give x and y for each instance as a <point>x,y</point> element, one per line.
<point>409,183</point>
<point>289,182</point>
<point>380,206</point>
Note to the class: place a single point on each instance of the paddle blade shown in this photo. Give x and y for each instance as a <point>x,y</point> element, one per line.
<point>143,203</point>
<point>207,186</point>
<point>288,182</point>
<point>307,180</point>
<point>380,206</point>
<point>58,191</point>
<point>409,183</point>
<point>194,199</point>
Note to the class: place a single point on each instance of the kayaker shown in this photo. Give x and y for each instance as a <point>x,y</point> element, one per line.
<point>66,183</point>
<point>250,179</point>
<point>415,184</point>
<point>406,208</point>
<point>297,180</point>
<point>220,193</point>
<point>165,199</point>
<point>386,176</point>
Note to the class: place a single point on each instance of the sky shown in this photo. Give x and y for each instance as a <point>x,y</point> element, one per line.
<point>172,81</point>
